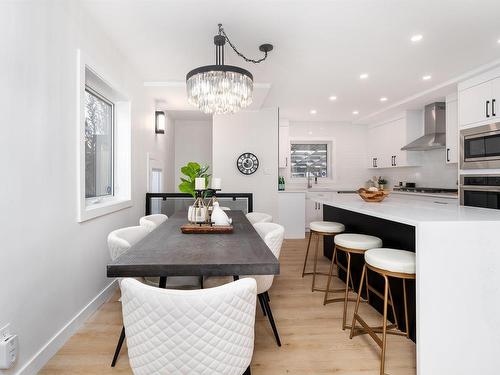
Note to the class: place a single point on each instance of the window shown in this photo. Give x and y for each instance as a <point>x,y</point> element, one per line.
<point>104,150</point>
<point>309,157</point>
<point>99,124</point>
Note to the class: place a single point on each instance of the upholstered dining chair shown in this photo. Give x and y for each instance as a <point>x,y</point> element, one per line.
<point>273,235</point>
<point>119,241</point>
<point>152,221</point>
<point>178,332</point>
<point>259,217</point>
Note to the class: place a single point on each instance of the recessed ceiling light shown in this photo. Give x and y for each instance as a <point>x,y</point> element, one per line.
<point>313,111</point>
<point>383,99</point>
<point>355,112</point>
<point>427,77</point>
<point>498,41</point>
<point>309,132</point>
<point>363,76</point>
<point>332,98</point>
<point>416,38</point>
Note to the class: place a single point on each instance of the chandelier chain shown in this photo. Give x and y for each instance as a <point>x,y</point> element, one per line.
<point>223,33</point>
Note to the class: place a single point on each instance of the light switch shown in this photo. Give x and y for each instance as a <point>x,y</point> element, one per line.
<point>8,351</point>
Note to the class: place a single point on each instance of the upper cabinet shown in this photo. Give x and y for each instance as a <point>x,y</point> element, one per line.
<point>284,144</point>
<point>387,138</point>
<point>451,129</point>
<point>478,99</point>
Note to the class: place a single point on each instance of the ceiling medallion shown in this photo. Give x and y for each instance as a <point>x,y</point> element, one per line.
<point>222,88</point>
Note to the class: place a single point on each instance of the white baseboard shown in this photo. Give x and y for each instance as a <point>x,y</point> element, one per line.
<point>36,363</point>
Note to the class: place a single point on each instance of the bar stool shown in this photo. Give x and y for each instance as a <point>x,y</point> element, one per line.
<point>319,229</point>
<point>387,263</point>
<point>349,243</point>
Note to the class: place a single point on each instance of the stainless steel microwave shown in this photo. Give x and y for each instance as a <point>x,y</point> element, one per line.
<point>480,147</point>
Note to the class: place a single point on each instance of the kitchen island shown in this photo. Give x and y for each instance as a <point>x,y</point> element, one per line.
<point>456,301</point>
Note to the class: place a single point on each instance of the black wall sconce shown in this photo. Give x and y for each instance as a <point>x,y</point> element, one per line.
<point>160,120</point>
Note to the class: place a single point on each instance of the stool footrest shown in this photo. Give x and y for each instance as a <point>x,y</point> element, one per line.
<point>340,299</point>
<point>317,273</point>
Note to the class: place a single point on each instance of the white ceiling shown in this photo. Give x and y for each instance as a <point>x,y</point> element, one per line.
<point>321,47</point>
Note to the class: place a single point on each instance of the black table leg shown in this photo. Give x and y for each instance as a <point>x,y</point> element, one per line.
<point>163,282</point>
<point>118,347</point>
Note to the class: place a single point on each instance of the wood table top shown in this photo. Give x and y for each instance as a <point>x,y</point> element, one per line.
<point>166,251</point>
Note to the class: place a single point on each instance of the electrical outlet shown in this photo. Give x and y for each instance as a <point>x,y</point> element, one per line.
<point>5,332</point>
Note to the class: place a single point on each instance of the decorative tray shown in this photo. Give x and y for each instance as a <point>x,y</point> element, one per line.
<point>372,196</point>
<point>206,229</point>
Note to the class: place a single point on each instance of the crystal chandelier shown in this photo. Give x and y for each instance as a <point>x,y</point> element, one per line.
<point>222,88</point>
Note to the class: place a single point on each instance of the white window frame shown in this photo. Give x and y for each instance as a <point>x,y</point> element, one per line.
<point>90,208</point>
<point>330,159</point>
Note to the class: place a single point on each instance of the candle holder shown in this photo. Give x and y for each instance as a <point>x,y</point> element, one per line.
<point>210,205</point>
<point>198,212</point>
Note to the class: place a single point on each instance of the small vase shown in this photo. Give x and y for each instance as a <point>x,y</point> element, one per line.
<point>197,214</point>
<point>381,186</point>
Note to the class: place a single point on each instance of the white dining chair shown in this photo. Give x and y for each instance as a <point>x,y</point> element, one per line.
<point>259,217</point>
<point>273,235</point>
<point>119,241</point>
<point>209,331</point>
<point>150,222</point>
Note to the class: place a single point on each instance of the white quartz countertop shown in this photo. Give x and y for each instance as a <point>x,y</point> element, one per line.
<point>410,210</point>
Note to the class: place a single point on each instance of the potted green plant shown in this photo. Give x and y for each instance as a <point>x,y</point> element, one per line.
<point>191,171</point>
<point>381,183</point>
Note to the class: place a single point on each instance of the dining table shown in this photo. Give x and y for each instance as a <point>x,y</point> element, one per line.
<point>166,251</point>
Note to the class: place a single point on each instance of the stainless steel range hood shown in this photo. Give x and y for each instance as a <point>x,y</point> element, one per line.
<point>434,129</point>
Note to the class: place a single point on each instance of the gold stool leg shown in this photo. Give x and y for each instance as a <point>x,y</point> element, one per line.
<point>313,286</point>
<point>346,294</point>
<point>330,272</point>
<point>392,305</point>
<point>406,309</point>
<point>307,253</point>
<point>367,289</point>
<point>358,300</point>
<point>384,326</point>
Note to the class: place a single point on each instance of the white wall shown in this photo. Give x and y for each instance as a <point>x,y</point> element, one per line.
<point>349,157</point>
<point>255,132</point>
<point>193,142</point>
<point>52,266</point>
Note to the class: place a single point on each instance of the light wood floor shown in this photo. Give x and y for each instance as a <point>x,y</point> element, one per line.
<point>312,337</point>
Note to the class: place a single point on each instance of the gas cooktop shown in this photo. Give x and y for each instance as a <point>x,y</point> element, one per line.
<point>425,190</point>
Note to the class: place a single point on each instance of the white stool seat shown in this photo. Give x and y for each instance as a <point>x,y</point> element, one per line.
<point>326,226</point>
<point>392,260</point>
<point>357,241</point>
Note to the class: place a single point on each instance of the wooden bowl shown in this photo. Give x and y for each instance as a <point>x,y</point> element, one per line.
<point>372,196</point>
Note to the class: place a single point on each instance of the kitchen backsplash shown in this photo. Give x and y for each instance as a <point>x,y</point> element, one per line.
<point>434,172</point>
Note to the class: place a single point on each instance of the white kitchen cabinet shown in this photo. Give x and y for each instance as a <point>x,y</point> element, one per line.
<point>284,144</point>
<point>291,213</point>
<point>387,138</point>
<point>478,99</point>
<point>475,104</point>
<point>313,209</point>
<point>451,129</point>
<point>495,99</point>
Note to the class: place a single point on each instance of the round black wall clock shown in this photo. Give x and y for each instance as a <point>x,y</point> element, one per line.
<point>247,163</point>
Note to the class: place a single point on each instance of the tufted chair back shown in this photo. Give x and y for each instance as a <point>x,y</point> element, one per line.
<point>273,235</point>
<point>178,332</point>
<point>121,240</point>
<point>150,222</point>
<point>259,217</point>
